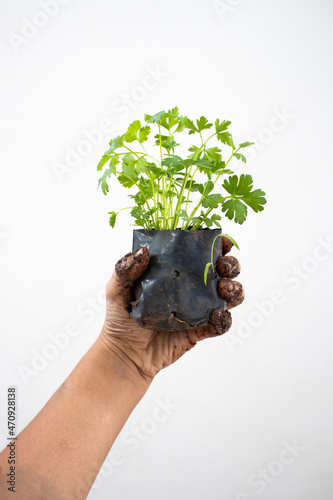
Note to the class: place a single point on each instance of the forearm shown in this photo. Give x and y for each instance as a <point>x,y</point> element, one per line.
<point>61,451</point>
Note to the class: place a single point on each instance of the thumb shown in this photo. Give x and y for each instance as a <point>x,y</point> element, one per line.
<point>127,270</point>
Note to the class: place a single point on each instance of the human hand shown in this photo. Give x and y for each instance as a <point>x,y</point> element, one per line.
<point>145,351</point>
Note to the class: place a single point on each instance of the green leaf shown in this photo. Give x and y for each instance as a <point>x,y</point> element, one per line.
<point>113,163</point>
<point>138,198</point>
<point>142,216</point>
<point>175,165</point>
<point>212,200</point>
<point>103,181</point>
<point>220,127</point>
<point>141,165</point>
<point>169,144</point>
<point>169,194</point>
<point>137,212</point>
<point>107,173</point>
<point>129,159</point>
<point>235,209</point>
<point>203,166</point>
<point>182,124</point>
<point>209,200</point>
<point>239,156</point>
<point>150,212</point>
<point>140,222</point>
<point>112,218</point>
<point>206,271</point>
<point>132,131</point>
<point>174,111</point>
<point>129,176</point>
<point>241,190</point>
<point>137,133</point>
<point>105,158</point>
<point>155,171</point>
<point>154,118</point>
<point>213,153</point>
<point>226,138</point>
<point>126,180</point>
<point>195,149</point>
<point>203,123</point>
<point>238,186</point>
<point>171,118</point>
<point>245,144</point>
<point>206,188</point>
<point>167,141</point>
<point>197,220</point>
<point>215,218</point>
<point>190,125</point>
<point>143,134</point>
<point>192,187</point>
<point>183,214</point>
<point>115,143</point>
<point>256,199</point>
<point>173,160</point>
<point>218,168</point>
<point>146,187</point>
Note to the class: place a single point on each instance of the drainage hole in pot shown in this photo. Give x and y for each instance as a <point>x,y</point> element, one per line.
<point>175,273</point>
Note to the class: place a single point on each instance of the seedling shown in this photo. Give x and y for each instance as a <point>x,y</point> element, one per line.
<point>164,182</point>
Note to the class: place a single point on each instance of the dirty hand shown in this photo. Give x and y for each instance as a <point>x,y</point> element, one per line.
<point>145,352</point>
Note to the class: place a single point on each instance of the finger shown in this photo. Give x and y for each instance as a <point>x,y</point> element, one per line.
<point>232,292</point>
<point>220,322</point>
<point>127,270</point>
<point>228,266</point>
<point>226,245</point>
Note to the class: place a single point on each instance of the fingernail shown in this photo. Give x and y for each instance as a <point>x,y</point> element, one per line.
<point>228,266</point>
<point>141,254</point>
<point>229,290</point>
<point>129,266</point>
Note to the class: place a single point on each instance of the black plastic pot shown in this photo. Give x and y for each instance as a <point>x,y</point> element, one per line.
<point>171,294</point>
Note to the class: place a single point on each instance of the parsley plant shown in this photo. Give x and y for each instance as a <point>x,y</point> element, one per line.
<point>163,181</point>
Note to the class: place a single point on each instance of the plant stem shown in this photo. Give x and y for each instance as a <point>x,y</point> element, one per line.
<point>147,154</point>
<point>189,192</point>
<point>126,208</point>
<point>163,180</point>
<point>179,202</point>
<point>173,149</point>
<point>203,144</point>
<point>194,211</point>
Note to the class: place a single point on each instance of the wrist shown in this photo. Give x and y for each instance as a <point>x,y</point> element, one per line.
<point>119,365</point>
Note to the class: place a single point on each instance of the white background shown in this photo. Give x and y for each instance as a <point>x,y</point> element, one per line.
<point>238,399</point>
